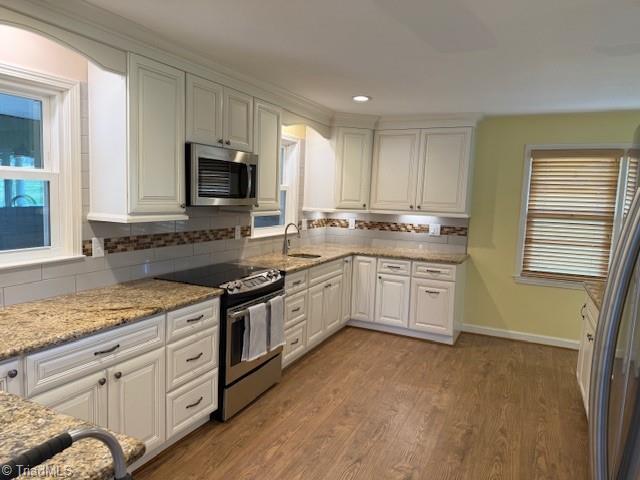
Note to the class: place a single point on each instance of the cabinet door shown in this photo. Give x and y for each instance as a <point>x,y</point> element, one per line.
<point>11,377</point>
<point>315,321</point>
<point>395,168</point>
<point>444,170</point>
<point>137,398</point>
<point>204,111</point>
<point>363,289</point>
<point>237,128</point>
<point>267,135</point>
<point>432,306</point>
<point>156,137</point>
<point>392,300</point>
<point>85,399</point>
<point>347,276</point>
<point>586,347</point>
<point>353,169</point>
<point>332,304</point>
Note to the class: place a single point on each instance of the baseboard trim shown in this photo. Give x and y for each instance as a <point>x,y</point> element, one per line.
<point>403,331</point>
<point>525,337</point>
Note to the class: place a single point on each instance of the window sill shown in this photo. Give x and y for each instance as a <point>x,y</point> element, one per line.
<point>41,261</point>
<point>549,282</point>
<point>267,232</point>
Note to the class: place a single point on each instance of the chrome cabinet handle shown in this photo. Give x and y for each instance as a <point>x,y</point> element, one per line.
<point>435,292</point>
<point>394,267</point>
<point>431,270</point>
<point>108,350</point>
<point>296,283</point>
<point>197,357</point>
<point>295,342</point>
<point>118,375</point>
<point>589,337</point>
<point>195,319</point>
<point>297,309</point>
<point>195,404</point>
<point>12,373</point>
<point>102,381</point>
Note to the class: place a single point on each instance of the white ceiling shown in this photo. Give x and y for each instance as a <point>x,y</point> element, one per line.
<point>417,56</point>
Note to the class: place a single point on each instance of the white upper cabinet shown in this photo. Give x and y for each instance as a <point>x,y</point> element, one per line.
<point>137,136</point>
<point>267,133</point>
<point>237,126</point>
<point>204,111</point>
<point>395,168</point>
<point>444,170</point>
<point>353,168</point>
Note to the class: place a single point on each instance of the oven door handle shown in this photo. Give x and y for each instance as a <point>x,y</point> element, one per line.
<point>249,181</point>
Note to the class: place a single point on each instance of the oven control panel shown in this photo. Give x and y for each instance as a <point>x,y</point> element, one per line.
<point>253,282</point>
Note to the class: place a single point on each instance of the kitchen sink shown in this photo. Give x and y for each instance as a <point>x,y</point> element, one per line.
<point>304,255</point>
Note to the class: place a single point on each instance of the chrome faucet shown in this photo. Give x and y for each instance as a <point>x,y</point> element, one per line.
<point>285,245</point>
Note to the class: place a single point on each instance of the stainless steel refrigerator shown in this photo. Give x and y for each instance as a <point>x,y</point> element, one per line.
<point>614,402</point>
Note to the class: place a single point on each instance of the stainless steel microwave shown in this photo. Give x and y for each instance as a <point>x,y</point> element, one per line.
<point>220,176</point>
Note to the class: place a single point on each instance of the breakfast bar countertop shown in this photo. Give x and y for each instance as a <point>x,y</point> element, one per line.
<point>25,424</point>
<point>53,321</point>
<point>330,251</point>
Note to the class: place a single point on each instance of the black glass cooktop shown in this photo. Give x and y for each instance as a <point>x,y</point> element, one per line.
<point>213,275</point>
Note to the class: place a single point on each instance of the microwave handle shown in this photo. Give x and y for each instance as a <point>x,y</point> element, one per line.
<point>249,181</point>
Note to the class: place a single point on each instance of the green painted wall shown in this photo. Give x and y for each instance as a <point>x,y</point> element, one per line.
<point>493,298</point>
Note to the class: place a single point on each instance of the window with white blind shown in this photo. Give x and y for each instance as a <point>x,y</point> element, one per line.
<point>573,203</point>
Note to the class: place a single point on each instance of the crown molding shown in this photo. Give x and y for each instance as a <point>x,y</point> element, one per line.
<point>354,120</point>
<point>93,23</point>
<point>399,122</point>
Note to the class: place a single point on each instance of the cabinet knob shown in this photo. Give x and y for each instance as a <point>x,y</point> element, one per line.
<point>12,373</point>
<point>589,337</point>
<point>102,381</point>
<point>419,207</point>
<point>364,205</point>
<point>228,142</point>
<point>379,277</point>
<point>183,205</point>
<point>118,374</point>
<point>411,207</point>
<point>221,141</point>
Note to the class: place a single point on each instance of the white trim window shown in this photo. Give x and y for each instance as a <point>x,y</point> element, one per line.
<point>272,223</point>
<point>39,168</point>
<point>573,203</point>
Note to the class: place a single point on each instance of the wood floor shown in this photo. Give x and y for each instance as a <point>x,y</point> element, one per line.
<point>369,405</point>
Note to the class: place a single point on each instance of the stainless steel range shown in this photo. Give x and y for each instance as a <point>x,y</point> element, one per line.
<point>240,382</point>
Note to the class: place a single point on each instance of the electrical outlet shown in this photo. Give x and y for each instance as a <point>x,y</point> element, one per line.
<point>97,247</point>
<point>238,233</point>
<point>434,229</point>
<point>352,224</point>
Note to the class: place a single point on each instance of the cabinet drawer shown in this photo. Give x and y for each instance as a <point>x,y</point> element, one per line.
<point>194,318</point>
<point>324,272</point>
<point>295,282</point>
<point>295,309</point>
<point>191,357</point>
<point>191,403</point>
<point>59,365</point>
<point>295,343</point>
<point>395,267</point>
<point>437,271</point>
<point>11,376</point>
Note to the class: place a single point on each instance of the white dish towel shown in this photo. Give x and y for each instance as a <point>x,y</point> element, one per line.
<point>276,327</point>
<point>254,343</point>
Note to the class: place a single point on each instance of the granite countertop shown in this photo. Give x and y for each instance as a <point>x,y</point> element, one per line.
<point>595,290</point>
<point>46,323</point>
<point>329,252</point>
<point>24,424</point>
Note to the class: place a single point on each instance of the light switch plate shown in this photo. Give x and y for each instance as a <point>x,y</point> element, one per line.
<point>434,229</point>
<point>97,247</point>
<point>352,224</point>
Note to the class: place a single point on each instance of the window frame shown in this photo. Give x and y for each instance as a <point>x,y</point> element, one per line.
<point>291,207</point>
<point>60,163</point>
<point>524,204</point>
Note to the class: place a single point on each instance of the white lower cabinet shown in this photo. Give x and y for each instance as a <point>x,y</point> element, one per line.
<point>11,377</point>
<point>295,343</point>
<point>363,288</point>
<point>315,322</point>
<point>136,398</point>
<point>85,399</point>
<point>589,317</point>
<point>431,306</point>
<point>192,402</point>
<point>332,312</point>
<point>392,300</point>
<point>347,277</point>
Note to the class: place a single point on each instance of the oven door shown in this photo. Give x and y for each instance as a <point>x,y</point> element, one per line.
<point>220,176</point>
<point>235,368</point>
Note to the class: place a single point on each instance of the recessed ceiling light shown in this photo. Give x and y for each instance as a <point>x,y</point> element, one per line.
<point>361,98</point>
